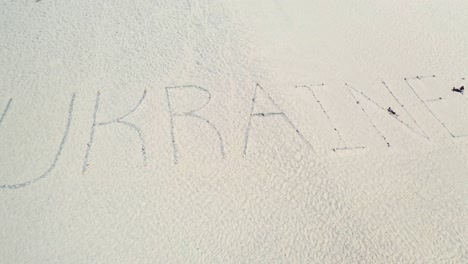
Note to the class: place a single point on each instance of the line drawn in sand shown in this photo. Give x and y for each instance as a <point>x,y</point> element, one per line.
<point>5,111</point>
<point>394,116</point>
<point>57,155</point>
<point>118,120</point>
<point>424,102</point>
<point>343,142</point>
<point>191,113</point>
<point>404,108</point>
<point>279,112</point>
<point>348,87</point>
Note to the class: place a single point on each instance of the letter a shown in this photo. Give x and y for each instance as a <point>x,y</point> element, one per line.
<point>267,114</point>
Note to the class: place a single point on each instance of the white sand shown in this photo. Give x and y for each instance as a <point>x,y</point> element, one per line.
<point>87,163</point>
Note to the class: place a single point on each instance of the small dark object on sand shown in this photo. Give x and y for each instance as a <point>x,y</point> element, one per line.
<point>459,90</point>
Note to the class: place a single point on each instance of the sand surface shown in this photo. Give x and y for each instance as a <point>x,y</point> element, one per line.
<point>233,131</point>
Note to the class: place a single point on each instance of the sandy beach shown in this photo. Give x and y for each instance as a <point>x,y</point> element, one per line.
<point>265,131</point>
